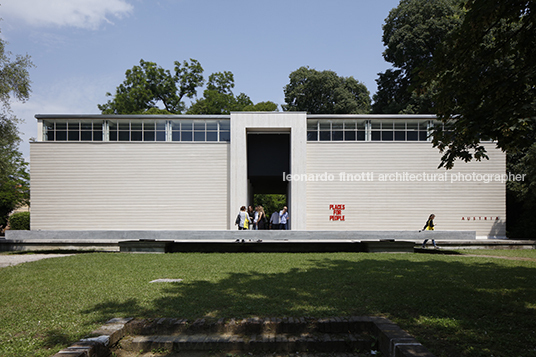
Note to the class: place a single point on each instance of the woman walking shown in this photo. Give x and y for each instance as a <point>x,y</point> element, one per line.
<point>429,226</point>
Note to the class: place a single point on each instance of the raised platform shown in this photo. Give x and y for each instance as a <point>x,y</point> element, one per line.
<point>247,241</point>
<point>229,236</point>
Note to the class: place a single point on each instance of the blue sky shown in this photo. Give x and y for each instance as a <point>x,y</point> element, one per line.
<point>82,48</point>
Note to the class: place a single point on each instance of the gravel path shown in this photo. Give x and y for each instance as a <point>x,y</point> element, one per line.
<point>14,259</point>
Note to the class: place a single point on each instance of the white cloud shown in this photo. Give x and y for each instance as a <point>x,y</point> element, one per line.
<point>88,14</point>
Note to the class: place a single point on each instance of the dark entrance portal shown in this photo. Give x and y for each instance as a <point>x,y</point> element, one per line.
<point>268,158</point>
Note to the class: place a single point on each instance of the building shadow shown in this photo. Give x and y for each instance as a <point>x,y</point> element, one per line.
<point>439,301</point>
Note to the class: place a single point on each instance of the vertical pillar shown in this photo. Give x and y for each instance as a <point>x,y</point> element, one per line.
<point>296,123</point>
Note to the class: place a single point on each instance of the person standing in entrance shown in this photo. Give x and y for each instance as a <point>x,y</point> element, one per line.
<point>429,226</point>
<point>274,220</point>
<point>251,216</point>
<point>261,220</point>
<point>242,219</point>
<point>283,218</point>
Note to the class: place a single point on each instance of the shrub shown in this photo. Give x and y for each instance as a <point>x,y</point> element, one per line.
<point>19,221</point>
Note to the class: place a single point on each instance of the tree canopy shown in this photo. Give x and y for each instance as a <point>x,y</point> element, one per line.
<point>14,179</point>
<point>218,98</point>
<point>324,92</point>
<point>411,34</point>
<point>148,85</point>
<point>486,77</point>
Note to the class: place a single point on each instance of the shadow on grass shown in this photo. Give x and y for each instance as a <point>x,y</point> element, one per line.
<point>55,338</point>
<point>453,307</point>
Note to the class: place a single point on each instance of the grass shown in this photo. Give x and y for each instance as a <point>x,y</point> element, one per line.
<point>455,305</point>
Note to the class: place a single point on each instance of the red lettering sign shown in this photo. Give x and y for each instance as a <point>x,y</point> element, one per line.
<point>337,212</point>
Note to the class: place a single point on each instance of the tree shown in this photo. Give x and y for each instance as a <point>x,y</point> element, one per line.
<point>324,92</point>
<point>486,79</point>
<point>412,32</point>
<point>148,85</point>
<point>521,195</point>
<point>218,98</point>
<point>14,179</point>
<point>261,107</point>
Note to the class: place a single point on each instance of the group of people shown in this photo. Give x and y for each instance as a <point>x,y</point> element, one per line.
<point>256,219</point>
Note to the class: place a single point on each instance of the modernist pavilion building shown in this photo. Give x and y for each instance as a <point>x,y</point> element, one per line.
<point>339,172</point>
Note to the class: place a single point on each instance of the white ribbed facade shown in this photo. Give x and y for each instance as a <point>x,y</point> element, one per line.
<point>129,186</point>
<point>200,184</point>
<point>395,186</point>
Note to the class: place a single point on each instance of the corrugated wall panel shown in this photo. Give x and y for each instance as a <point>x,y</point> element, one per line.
<point>403,202</point>
<point>131,186</point>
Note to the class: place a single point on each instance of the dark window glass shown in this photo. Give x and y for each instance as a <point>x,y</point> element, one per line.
<point>312,135</point>
<point>325,126</point>
<point>349,135</point>
<point>124,126</point>
<point>86,135</point>
<point>337,136</point>
<point>49,125</point>
<point>349,126</point>
<point>400,126</point>
<point>387,126</point>
<point>361,135</point>
<point>186,136</point>
<point>176,136</point>
<point>400,135</point>
<point>61,135</point>
<point>375,136</point>
<point>212,136</point>
<point>337,126</point>
<point>113,135</point>
<point>161,125</point>
<point>160,136</point>
<point>97,135</point>
<point>124,136</point>
<point>423,135</point>
<point>225,125</point>
<point>61,126</point>
<point>225,136</point>
<point>387,136</point>
<point>136,126</point>
<point>413,135</point>
<point>74,135</point>
<point>50,136</point>
<point>186,125</point>
<point>325,135</point>
<point>199,136</point>
<point>135,136</point>
<point>148,135</point>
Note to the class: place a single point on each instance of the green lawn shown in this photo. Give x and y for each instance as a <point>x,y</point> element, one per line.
<point>455,305</point>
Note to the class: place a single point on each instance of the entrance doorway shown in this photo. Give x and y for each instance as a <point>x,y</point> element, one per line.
<point>268,160</point>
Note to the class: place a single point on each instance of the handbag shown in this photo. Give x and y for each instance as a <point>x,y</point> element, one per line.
<point>237,219</point>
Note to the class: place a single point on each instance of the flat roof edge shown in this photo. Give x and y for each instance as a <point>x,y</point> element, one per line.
<point>228,116</point>
<point>130,116</point>
<point>371,116</point>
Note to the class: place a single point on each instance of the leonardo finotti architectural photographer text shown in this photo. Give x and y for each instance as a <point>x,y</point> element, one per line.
<point>405,177</point>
